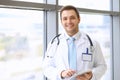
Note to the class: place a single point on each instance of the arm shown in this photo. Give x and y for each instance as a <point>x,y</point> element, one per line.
<point>99,66</point>
<point>49,68</point>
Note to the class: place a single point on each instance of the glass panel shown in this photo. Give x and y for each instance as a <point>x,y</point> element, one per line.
<point>21,44</point>
<point>91,4</point>
<point>37,1</point>
<point>98,28</point>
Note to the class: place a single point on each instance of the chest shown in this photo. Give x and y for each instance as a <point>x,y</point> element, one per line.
<point>81,46</point>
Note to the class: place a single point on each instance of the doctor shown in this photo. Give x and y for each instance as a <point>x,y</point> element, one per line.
<point>56,63</point>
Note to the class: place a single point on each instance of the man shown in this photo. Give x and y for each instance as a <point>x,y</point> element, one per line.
<point>58,62</point>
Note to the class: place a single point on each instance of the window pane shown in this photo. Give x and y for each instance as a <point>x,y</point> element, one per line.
<point>21,44</point>
<point>98,28</point>
<point>91,4</point>
<point>38,1</point>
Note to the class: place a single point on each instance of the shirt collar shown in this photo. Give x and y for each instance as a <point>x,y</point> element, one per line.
<point>76,36</point>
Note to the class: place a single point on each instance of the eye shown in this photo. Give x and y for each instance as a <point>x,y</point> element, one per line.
<point>72,17</point>
<point>64,18</point>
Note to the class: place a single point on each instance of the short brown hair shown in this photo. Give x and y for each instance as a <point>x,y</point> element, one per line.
<point>69,7</point>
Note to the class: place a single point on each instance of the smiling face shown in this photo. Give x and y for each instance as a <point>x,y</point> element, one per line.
<point>70,21</point>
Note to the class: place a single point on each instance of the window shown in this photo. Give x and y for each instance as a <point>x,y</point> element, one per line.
<point>21,44</point>
<point>98,29</point>
<point>37,1</point>
<point>28,24</point>
<point>91,4</point>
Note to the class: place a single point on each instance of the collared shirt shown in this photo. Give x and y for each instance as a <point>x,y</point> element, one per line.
<point>76,36</point>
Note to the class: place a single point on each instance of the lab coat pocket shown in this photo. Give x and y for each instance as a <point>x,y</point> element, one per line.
<point>87,61</point>
<point>87,57</point>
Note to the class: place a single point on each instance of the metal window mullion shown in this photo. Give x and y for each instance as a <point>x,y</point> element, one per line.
<point>51,5</point>
<point>115,41</point>
<point>26,5</point>
<point>52,20</point>
<point>115,47</point>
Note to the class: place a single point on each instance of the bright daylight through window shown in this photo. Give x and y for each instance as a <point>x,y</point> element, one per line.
<point>37,1</point>
<point>21,44</point>
<point>90,4</point>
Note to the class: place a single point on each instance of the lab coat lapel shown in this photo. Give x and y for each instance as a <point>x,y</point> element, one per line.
<point>64,52</point>
<point>82,42</point>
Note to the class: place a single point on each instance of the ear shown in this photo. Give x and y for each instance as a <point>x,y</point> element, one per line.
<point>79,19</point>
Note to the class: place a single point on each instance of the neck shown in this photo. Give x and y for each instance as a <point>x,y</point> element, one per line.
<point>72,33</point>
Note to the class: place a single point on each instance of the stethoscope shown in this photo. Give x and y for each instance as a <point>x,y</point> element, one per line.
<point>57,37</point>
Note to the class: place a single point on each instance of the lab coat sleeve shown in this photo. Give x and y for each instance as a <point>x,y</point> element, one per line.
<point>48,63</point>
<point>49,68</point>
<point>99,67</point>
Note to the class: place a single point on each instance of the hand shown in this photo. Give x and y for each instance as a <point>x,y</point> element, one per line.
<point>86,76</point>
<point>67,73</point>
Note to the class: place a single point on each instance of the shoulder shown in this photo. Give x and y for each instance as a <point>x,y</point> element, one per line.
<point>56,39</point>
<point>85,36</point>
<point>90,38</point>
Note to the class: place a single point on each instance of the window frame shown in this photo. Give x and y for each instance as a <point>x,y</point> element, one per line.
<point>51,28</point>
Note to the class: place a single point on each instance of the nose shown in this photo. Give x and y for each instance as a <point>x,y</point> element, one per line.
<point>68,20</point>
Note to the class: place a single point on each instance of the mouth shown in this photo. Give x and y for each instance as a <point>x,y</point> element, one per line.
<point>70,25</point>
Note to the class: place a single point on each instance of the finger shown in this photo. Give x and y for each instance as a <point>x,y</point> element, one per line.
<point>81,78</point>
<point>71,72</point>
<point>88,75</point>
<point>68,73</point>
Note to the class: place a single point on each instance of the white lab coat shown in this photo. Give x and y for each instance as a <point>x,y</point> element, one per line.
<point>56,58</point>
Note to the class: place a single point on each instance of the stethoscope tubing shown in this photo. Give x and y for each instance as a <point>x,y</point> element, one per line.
<point>90,41</point>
